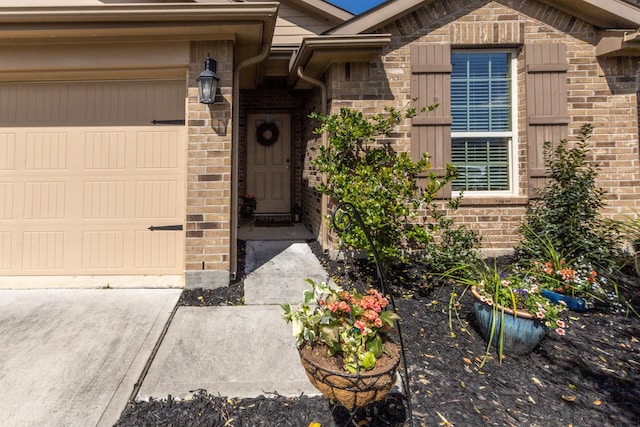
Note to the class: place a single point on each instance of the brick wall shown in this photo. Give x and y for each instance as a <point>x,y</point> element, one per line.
<point>207,260</point>
<point>600,90</point>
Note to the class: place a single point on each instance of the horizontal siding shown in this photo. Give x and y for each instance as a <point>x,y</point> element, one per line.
<point>293,25</point>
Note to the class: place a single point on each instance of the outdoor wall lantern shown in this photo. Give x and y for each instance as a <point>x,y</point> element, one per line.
<point>208,82</point>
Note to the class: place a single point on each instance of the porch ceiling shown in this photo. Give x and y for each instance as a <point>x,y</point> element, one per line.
<point>316,54</point>
<point>250,25</point>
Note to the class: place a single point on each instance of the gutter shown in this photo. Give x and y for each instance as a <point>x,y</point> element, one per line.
<point>618,43</point>
<point>324,228</point>
<point>235,129</point>
<point>190,12</point>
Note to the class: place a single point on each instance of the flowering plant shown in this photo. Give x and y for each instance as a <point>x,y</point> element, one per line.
<point>578,279</point>
<point>351,324</point>
<point>521,293</point>
<point>249,204</point>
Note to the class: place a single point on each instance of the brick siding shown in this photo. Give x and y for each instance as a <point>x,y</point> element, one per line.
<point>209,167</point>
<point>601,91</point>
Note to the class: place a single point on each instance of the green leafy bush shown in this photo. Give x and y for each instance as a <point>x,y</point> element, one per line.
<point>379,182</point>
<point>567,214</point>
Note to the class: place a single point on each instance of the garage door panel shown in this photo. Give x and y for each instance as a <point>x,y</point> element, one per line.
<point>104,199</point>
<point>156,199</point>
<point>91,104</point>
<point>43,250</point>
<point>7,151</point>
<point>155,249</point>
<point>44,200</point>
<point>103,250</point>
<point>6,250</point>
<point>157,150</point>
<point>83,176</point>
<point>46,151</point>
<point>6,200</point>
<point>105,150</point>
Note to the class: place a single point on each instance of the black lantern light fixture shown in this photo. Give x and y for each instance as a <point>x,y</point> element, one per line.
<point>208,82</point>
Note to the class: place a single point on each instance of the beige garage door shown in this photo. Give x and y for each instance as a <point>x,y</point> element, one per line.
<point>84,175</point>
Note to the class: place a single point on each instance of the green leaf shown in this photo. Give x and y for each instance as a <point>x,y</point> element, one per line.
<point>375,346</point>
<point>368,362</point>
<point>330,335</point>
<point>388,317</point>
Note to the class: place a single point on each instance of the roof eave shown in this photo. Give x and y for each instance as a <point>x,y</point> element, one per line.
<point>249,25</point>
<point>316,54</point>
<point>603,14</point>
<point>323,9</point>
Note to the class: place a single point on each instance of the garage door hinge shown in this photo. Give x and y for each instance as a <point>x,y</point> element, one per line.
<point>165,227</point>
<point>168,122</point>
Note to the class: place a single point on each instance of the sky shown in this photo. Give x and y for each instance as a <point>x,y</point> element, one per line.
<point>356,6</point>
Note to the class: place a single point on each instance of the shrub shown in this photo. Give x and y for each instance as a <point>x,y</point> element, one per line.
<point>567,214</point>
<point>378,181</point>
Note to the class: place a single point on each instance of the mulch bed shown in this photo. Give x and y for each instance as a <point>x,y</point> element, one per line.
<point>589,377</point>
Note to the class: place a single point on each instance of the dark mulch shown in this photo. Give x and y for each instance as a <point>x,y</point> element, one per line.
<point>590,377</point>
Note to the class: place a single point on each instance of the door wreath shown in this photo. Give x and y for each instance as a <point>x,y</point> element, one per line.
<point>267,134</point>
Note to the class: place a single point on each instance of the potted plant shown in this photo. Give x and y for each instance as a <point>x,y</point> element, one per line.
<point>248,206</point>
<point>576,283</point>
<point>344,345</point>
<point>562,277</point>
<point>512,314</point>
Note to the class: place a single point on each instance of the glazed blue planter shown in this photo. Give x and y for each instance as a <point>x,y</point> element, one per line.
<point>573,304</point>
<point>520,332</point>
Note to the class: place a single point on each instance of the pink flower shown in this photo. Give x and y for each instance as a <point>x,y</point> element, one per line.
<point>344,306</point>
<point>378,323</point>
<point>560,331</point>
<point>540,314</point>
<point>360,325</point>
<point>560,323</point>
<point>370,315</point>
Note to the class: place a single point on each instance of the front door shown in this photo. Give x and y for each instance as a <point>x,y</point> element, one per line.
<point>269,162</point>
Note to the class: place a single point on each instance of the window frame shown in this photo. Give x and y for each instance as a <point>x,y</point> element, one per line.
<point>512,135</point>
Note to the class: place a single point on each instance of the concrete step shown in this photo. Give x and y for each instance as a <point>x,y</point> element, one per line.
<point>277,271</point>
<point>243,351</point>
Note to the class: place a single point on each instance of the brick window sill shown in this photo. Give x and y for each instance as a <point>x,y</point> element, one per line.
<point>493,200</point>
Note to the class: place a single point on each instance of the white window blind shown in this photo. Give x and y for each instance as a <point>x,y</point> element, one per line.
<point>482,129</point>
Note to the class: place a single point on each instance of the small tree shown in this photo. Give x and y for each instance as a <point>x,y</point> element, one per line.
<point>377,180</point>
<point>567,216</point>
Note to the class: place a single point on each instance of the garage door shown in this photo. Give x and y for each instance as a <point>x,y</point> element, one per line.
<point>85,178</point>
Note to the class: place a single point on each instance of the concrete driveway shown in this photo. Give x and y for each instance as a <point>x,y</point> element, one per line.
<point>72,357</point>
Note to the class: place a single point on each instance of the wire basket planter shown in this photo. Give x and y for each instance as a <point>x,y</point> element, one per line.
<point>350,390</point>
<point>354,391</point>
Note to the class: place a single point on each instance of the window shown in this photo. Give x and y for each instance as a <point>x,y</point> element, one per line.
<point>483,131</point>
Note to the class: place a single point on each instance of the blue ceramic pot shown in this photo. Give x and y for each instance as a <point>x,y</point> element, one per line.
<point>573,304</point>
<point>519,331</point>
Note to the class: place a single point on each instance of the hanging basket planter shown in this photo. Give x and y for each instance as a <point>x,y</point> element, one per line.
<point>352,391</point>
<point>518,331</point>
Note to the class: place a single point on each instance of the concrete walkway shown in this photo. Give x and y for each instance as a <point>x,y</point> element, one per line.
<point>242,351</point>
<point>71,357</point>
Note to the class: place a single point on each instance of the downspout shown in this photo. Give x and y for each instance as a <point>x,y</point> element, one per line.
<point>235,130</point>
<point>324,228</point>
